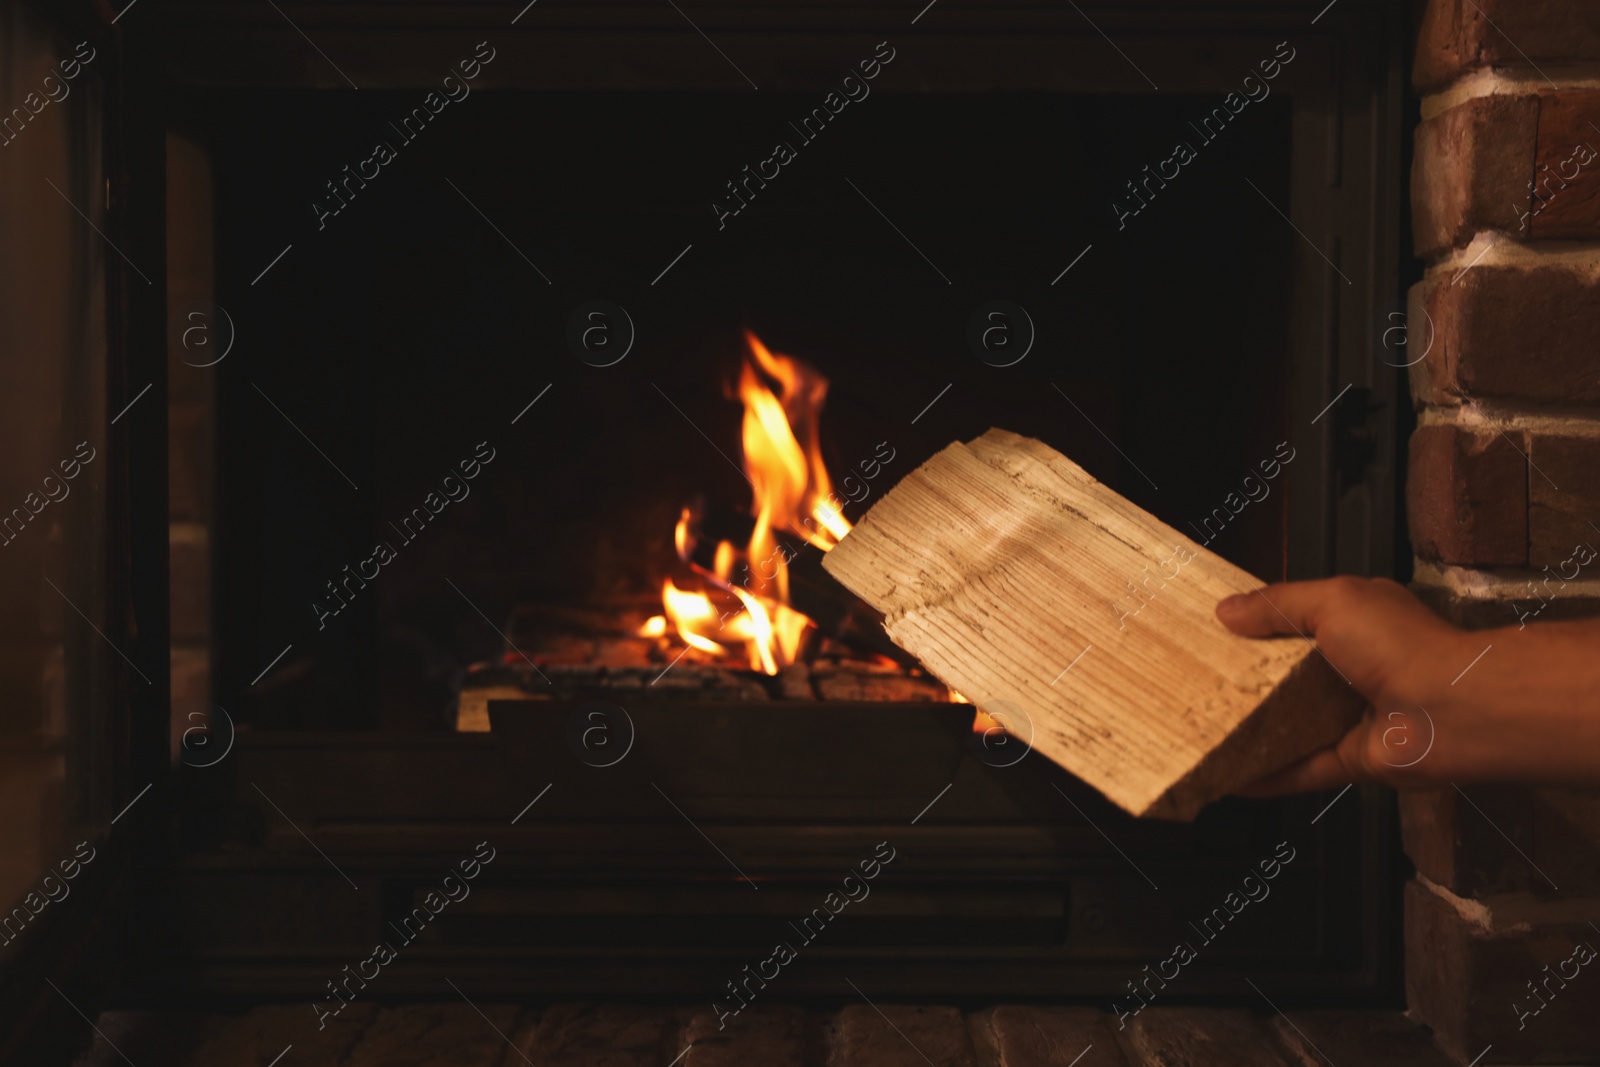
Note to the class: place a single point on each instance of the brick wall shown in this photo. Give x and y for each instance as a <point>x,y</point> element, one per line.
<point>1504,484</point>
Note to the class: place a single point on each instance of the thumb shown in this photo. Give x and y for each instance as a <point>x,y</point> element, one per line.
<point>1280,608</point>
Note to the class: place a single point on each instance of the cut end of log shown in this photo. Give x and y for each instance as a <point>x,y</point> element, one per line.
<point>1087,627</point>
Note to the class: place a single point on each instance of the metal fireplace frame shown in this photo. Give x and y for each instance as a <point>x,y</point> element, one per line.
<point>667,871</point>
<point>259,914</point>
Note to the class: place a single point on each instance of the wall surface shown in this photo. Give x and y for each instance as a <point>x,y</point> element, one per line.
<point>1504,497</point>
<point>196,341</point>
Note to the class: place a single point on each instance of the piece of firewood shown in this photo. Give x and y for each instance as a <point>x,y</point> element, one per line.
<point>1000,563</point>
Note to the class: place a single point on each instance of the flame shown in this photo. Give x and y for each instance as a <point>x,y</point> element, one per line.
<point>692,614</point>
<point>792,494</point>
<point>782,453</point>
<point>680,535</point>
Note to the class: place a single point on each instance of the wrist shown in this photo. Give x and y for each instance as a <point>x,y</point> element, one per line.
<point>1521,706</point>
<point>1443,658</point>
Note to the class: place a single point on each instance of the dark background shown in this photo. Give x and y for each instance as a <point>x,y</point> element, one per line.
<point>408,330</point>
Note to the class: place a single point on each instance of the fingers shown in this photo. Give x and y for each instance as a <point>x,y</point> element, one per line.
<point>1321,770</point>
<point>1280,608</point>
<point>1326,768</point>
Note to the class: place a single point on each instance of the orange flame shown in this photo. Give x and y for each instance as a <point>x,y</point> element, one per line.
<point>792,494</point>
<point>782,455</point>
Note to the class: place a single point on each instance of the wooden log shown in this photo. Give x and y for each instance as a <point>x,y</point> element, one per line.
<point>1086,627</point>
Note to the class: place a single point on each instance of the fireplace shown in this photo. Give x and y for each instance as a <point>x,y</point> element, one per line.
<point>507,347</point>
<point>478,283</point>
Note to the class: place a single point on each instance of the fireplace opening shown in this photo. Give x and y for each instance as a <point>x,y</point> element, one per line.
<point>866,261</point>
<point>524,415</point>
<point>553,514</point>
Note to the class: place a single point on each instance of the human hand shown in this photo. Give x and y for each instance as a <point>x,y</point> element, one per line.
<point>1445,705</point>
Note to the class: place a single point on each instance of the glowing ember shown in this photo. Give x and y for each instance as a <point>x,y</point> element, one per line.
<point>793,494</point>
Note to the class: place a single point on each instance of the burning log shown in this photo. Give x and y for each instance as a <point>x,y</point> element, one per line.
<point>830,679</point>
<point>834,611</point>
<point>1086,626</point>
<point>837,613</point>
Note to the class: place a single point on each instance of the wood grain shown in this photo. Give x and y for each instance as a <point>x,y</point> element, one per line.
<point>1000,563</point>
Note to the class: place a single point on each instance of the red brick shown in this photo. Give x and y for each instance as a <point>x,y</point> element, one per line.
<point>435,1035</point>
<point>1196,1037</point>
<point>1370,1038</point>
<point>1563,508</point>
<point>1468,497</point>
<point>262,1033</point>
<point>1480,613</point>
<point>1566,187</point>
<point>772,1036</point>
<point>190,680</point>
<point>1439,949</point>
<point>190,453</point>
<point>1430,365</point>
<point>151,1037</point>
<point>1463,981</point>
<point>1428,832</point>
<point>1568,837</point>
<point>1053,1037</point>
<point>603,1035</point>
<point>900,1035</point>
<point>1471,171</point>
<point>1509,839</point>
<point>1459,36</point>
<point>1510,332</point>
<point>189,578</point>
